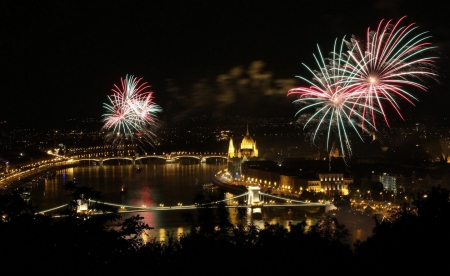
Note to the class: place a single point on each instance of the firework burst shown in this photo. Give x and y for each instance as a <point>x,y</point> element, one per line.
<point>393,59</point>
<point>131,113</point>
<point>335,107</point>
<point>354,86</point>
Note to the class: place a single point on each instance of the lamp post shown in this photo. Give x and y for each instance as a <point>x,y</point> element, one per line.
<point>393,197</point>
<point>381,193</point>
<point>370,196</point>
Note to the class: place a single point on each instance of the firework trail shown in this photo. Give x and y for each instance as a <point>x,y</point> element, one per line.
<point>355,87</point>
<point>131,112</point>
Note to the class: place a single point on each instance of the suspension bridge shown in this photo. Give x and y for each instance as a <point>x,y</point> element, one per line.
<point>253,198</point>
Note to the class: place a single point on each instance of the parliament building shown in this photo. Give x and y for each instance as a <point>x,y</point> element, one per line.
<point>237,155</point>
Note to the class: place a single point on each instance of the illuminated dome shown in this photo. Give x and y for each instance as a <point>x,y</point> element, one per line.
<point>248,148</point>
<point>247,142</point>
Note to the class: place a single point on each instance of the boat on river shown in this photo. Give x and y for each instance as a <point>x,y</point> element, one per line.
<point>123,190</point>
<point>25,192</point>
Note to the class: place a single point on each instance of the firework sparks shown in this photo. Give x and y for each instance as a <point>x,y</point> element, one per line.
<point>392,59</point>
<point>335,106</point>
<point>353,88</point>
<point>131,112</point>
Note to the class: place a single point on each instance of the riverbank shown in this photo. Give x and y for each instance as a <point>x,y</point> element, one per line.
<point>234,189</point>
<point>27,175</point>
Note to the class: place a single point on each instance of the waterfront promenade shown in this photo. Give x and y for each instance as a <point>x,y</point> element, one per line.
<point>31,169</point>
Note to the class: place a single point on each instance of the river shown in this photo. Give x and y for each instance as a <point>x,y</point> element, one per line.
<point>155,184</point>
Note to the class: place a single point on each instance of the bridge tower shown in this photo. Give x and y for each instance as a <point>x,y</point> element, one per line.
<point>254,202</point>
<point>253,195</point>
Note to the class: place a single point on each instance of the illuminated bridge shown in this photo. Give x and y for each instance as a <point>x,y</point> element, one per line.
<point>253,198</point>
<point>168,158</point>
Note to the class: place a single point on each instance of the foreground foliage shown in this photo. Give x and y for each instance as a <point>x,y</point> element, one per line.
<point>108,243</point>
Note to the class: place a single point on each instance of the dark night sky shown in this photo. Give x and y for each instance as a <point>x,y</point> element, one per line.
<point>60,59</point>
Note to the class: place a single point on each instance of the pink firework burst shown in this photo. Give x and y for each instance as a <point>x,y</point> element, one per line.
<point>392,59</point>
<point>131,111</point>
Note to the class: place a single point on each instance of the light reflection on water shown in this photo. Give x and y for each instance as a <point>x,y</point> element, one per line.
<point>155,184</point>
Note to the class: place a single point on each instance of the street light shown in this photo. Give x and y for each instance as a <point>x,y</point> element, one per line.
<point>393,197</point>
<point>381,193</point>
<point>370,196</point>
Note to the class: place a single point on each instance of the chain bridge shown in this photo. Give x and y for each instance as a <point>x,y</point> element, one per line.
<point>253,199</point>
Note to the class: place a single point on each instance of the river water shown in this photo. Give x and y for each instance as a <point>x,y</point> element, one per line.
<point>155,184</point>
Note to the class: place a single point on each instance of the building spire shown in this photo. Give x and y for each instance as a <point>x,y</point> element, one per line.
<point>231,151</point>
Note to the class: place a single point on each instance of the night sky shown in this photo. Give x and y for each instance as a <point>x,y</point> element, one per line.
<point>60,59</point>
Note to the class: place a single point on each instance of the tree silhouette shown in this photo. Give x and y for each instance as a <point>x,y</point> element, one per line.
<point>413,230</point>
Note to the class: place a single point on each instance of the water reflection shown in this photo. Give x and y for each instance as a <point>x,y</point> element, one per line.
<point>156,184</point>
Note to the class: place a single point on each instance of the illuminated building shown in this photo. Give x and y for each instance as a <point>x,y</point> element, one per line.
<point>331,184</point>
<point>389,182</point>
<point>247,149</point>
<point>236,156</point>
<point>269,176</point>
